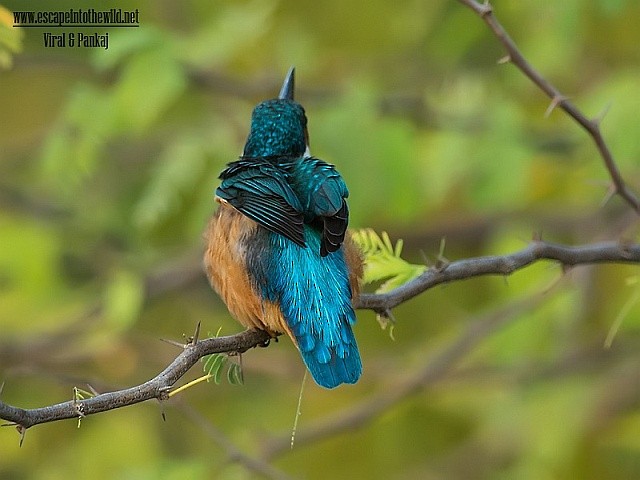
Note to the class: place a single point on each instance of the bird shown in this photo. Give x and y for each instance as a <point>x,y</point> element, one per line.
<point>277,249</point>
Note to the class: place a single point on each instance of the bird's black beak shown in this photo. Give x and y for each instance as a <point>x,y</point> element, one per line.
<point>286,92</point>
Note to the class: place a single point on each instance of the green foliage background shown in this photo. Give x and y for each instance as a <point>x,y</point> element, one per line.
<point>108,163</point>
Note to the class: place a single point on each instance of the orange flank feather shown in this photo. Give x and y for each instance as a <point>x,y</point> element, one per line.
<point>226,241</point>
<point>224,261</point>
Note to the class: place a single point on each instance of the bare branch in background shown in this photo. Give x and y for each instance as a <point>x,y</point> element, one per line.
<point>434,370</point>
<point>558,100</point>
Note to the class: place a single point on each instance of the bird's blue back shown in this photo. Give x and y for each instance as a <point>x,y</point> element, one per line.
<point>295,259</point>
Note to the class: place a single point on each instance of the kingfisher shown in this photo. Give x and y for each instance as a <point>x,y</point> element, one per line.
<point>277,249</point>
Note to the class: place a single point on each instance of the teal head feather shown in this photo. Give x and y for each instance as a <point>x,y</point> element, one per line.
<point>278,126</point>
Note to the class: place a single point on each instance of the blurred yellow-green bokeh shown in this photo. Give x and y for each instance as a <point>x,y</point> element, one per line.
<point>108,163</point>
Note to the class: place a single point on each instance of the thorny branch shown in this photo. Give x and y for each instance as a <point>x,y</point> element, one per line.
<point>159,386</point>
<point>605,252</point>
<point>592,126</point>
<point>567,256</point>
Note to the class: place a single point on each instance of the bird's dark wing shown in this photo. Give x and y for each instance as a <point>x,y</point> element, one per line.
<point>260,191</point>
<point>323,194</point>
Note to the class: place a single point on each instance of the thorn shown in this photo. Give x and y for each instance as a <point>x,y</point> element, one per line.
<point>441,264</point>
<point>600,117</point>
<point>505,59</point>
<point>611,191</point>
<point>537,236</point>
<point>557,100</point>
<point>93,391</point>
<point>1,388</point>
<point>22,431</point>
<point>196,335</point>
<point>174,343</point>
<point>162,412</point>
<point>389,314</point>
<point>441,261</point>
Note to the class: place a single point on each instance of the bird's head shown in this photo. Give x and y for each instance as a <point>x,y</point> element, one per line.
<point>278,126</point>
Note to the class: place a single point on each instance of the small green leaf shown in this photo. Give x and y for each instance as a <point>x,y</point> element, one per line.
<point>217,371</point>
<point>234,374</point>
<point>207,363</point>
<point>382,260</point>
<point>398,250</point>
<point>214,364</point>
<point>80,394</point>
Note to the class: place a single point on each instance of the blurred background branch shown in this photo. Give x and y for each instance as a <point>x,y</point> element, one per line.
<point>109,160</point>
<point>558,100</point>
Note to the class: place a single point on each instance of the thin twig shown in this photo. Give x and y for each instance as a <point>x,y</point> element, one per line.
<point>158,387</point>
<point>605,252</point>
<point>234,454</point>
<point>592,126</point>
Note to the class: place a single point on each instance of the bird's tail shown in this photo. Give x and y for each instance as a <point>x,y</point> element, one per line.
<point>330,365</point>
<point>315,301</point>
